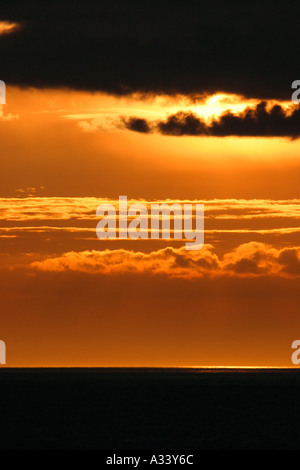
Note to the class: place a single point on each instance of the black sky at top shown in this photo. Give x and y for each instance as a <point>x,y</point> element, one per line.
<point>191,47</point>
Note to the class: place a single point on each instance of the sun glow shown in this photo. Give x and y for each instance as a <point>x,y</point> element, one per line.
<point>219,103</point>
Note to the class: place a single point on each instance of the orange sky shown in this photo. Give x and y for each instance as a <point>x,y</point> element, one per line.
<point>69,299</point>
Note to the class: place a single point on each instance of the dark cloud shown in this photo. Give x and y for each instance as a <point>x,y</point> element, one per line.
<point>259,121</point>
<point>194,47</point>
<point>289,258</point>
<point>183,123</point>
<point>137,125</point>
<point>245,266</point>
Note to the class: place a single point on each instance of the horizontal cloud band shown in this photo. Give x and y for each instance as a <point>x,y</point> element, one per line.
<point>153,47</point>
<point>247,260</point>
<point>260,121</point>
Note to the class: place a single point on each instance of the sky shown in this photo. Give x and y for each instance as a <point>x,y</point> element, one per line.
<point>162,102</point>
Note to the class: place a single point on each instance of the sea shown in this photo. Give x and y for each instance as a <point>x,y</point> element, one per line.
<point>155,409</point>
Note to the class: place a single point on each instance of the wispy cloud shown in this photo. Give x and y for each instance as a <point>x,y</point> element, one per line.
<point>7,117</point>
<point>84,208</point>
<point>51,226</point>
<point>7,27</point>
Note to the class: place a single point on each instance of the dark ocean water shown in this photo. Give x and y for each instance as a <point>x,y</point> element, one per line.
<point>149,409</point>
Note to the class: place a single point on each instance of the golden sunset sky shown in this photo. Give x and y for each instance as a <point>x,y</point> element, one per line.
<point>70,299</point>
<point>179,106</point>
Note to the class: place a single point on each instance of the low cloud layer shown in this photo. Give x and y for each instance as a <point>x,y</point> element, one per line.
<point>260,121</point>
<point>247,260</point>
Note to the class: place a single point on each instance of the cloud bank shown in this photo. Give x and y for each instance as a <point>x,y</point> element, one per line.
<point>153,47</point>
<point>260,121</point>
<point>251,259</point>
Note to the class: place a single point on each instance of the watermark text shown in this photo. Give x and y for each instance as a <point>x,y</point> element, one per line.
<point>136,222</point>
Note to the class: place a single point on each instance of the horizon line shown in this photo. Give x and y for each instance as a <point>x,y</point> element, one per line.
<point>150,367</point>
